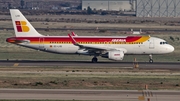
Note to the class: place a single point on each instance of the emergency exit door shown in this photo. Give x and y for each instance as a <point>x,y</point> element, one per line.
<point>41,43</point>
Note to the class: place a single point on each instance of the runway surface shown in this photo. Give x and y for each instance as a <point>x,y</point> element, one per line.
<point>85,94</point>
<point>81,94</point>
<point>156,65</point>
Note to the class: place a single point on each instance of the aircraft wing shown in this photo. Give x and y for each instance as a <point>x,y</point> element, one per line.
<point>90,47</point>
<point>73,34</point>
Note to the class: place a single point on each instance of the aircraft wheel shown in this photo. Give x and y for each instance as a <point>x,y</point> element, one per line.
<point>151,61</point>
<point>94,60</point>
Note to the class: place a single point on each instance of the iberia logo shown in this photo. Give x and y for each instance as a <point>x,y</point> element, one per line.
<point>22,26</point>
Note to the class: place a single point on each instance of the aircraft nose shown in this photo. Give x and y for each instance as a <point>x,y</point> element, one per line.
<point>171,48</point>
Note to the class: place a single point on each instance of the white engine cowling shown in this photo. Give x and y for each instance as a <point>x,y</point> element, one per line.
<point>82,51</point>
<point>116,55</point>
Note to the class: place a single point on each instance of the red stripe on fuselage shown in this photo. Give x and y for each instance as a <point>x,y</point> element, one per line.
<point>78,39</point>
<point>132,39</point>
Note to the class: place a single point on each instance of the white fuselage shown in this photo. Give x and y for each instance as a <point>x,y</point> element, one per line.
<point>151,46</point>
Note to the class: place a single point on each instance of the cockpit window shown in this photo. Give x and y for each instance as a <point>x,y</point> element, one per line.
<point>162,43</point>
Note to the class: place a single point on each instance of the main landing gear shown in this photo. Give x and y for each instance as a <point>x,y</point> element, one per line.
<point>94,59</point>
<point>150,59</point>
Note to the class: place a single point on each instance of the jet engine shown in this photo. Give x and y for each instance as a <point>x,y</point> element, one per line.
<point>114,55</point>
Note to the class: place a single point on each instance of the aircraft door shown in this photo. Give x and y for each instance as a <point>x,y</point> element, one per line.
<point>151,44</point>
<point>41,43</point>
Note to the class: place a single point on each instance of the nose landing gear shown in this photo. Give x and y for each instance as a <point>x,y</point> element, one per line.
<point>150,59</point>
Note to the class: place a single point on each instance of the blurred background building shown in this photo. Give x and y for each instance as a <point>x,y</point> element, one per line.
<point>39,4</point>
<point>139,8</point>
<point>109,5</point>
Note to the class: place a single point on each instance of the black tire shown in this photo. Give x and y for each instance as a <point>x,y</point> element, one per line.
<point>94,60</point>
<point>151,61</point>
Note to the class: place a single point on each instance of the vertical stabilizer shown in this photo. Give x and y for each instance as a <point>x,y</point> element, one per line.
<point>21,25</point>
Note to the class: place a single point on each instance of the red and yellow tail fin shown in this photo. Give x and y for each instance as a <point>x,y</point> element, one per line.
<point>21,25</point>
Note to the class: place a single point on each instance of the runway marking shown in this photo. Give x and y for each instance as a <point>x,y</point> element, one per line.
<point>141,98</point>
<point>16,64</point>
<point>127,67</point>
<point>151,94</point>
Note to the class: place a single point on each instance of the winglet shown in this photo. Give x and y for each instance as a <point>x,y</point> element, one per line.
<point>73,34</point>
<point>73,40</point>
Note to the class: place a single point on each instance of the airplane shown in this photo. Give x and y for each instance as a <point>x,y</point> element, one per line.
<point>111,47</point>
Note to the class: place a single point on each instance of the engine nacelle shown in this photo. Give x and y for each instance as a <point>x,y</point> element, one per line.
<point>82,51</point>
<point>116,55</point>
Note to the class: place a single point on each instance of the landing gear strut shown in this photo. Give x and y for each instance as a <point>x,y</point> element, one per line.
<point>150,59</point>
<point>94,60</point>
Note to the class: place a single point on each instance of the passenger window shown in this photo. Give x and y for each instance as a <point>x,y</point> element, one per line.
<point>161,43</point>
